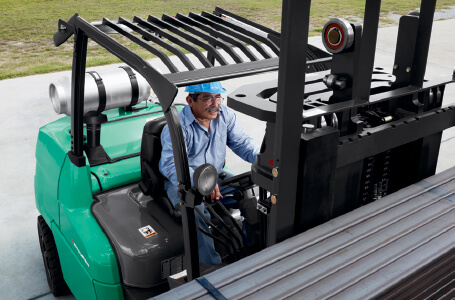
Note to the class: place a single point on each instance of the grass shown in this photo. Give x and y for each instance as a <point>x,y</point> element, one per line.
<point>27,26</point>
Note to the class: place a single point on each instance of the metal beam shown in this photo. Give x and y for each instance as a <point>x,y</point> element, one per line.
<point>376,140</point>
<point>76,154</point>
<point>419,65</point>
<point>364,72</point>
<point>291,90</point>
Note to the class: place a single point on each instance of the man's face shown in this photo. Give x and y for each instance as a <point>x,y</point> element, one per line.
<point>206,106</point>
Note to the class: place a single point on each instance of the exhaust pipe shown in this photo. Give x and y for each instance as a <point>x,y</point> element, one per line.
<point>121,87</point>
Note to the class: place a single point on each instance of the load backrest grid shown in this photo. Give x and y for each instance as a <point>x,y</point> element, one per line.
<point>210,32</point>
<point>244,47</point>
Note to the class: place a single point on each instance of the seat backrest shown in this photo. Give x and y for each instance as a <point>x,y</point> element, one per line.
<point>151,177</point>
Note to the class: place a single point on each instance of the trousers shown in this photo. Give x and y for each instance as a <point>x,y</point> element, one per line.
<point>206,247</point>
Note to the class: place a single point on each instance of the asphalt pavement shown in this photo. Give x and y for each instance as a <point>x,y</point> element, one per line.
<point>26,107</point>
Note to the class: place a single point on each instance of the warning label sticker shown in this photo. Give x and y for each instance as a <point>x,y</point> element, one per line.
<point>147,231</point>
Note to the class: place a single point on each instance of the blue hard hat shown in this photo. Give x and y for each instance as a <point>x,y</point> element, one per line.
<point>211,87</point>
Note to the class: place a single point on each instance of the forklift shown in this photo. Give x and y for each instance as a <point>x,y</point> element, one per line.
<point>345,144</point>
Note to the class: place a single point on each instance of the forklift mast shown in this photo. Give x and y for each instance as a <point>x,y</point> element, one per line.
<point>312,173</point>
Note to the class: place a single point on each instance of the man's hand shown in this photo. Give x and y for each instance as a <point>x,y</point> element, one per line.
<point>215,195</point>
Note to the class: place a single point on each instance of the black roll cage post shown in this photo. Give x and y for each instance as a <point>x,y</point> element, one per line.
<point>163,88</point>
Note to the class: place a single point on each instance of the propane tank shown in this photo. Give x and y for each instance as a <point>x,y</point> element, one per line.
<point>121,87</point>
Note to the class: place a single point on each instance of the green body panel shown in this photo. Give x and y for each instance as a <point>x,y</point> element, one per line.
<point>120,136</point>
<point>78,280</point>
<point>50,154</point>
<point>123,136</point>
<point>116,174</point>
<point>64,194</point>
<point>80,228</point>
<point>107,291</point>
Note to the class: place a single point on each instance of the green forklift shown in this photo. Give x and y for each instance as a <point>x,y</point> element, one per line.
<point>358,134</point>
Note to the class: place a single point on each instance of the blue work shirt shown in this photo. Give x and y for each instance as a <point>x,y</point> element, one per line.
<point>207,146</point>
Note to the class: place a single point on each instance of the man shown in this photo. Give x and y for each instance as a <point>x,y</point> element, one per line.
<point>208,126</point>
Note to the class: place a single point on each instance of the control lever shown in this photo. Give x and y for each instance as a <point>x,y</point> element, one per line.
<point>240,182</point>
<point>222,175</point>
<point>236,196</point>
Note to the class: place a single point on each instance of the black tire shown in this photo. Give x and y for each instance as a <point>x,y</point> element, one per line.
<point>54,274</point>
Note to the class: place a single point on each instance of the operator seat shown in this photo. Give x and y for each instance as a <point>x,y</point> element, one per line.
<point>152,181</point>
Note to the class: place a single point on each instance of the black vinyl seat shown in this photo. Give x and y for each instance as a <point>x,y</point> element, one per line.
<point>152,181</point>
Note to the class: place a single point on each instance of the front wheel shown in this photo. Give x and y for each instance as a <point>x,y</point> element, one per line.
<point>54,274</point>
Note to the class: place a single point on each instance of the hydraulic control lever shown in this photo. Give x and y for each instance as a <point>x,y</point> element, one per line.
<point>236,196</point>
<point>240,182</point>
